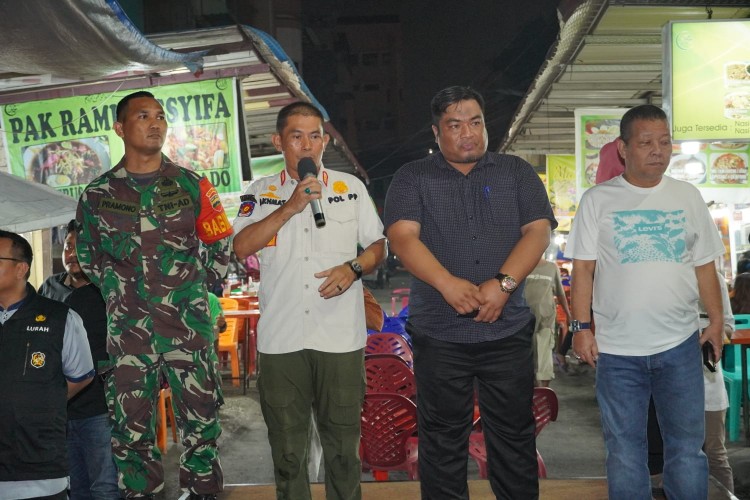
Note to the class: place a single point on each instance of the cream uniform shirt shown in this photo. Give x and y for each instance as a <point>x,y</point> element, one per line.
<point>293,314</point>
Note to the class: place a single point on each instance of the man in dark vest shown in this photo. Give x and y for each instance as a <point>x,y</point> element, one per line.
<point>44,361</point>
<point>89,440</point>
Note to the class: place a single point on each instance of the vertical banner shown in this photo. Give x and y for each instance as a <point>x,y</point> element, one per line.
<point>65,143</point>
<point>561,188</point>
<point>594,129</point>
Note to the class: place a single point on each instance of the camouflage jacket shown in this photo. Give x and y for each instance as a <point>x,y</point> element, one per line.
<point>139,245</point>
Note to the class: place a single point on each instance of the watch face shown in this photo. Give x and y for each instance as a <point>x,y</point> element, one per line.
<point>356,267</point>
<point>509,283</point>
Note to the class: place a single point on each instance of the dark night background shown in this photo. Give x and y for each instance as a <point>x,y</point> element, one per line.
<point>496,47</point>
<point>381,108</point>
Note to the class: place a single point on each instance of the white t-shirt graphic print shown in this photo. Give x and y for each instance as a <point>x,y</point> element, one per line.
<point>646,243</point>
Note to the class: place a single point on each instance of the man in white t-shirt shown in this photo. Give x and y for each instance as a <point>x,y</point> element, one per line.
<point>643,248</point>
<point>311,332</point>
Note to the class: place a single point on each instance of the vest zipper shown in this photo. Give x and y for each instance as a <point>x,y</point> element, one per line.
<point>26,357</point>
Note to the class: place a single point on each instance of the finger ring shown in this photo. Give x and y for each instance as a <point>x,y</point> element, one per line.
<point>340,289</point>
<point>307,190</point>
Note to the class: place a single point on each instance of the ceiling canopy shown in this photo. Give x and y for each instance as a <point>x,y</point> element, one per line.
<point>62,48</point>
<point>609,54</point>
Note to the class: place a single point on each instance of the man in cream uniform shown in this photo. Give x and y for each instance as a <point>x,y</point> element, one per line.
<point>311,333</point>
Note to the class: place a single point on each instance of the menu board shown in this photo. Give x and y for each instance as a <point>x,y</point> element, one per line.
<point>714,165</point>
<point>707,80</point>
<point>66,143</point>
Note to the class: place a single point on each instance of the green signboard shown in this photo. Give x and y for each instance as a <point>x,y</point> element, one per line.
<point>707,81</point>
<point>67,142</point>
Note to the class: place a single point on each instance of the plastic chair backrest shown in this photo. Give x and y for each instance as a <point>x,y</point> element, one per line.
<point>386,374</point>
<point>394,324</point>
<point>404,314</point>
<point>229,338</point>
<point>388,421</point>
<point>389,343</point>
<point>545,407</point>
<point>741,321</point>
<point>228,304</point>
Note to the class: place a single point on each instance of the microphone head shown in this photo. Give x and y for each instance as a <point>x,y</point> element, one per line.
<point>305,167</point>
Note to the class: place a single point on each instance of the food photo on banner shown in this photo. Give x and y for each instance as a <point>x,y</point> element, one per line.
<point>594,129</point>
<point>66,143</point>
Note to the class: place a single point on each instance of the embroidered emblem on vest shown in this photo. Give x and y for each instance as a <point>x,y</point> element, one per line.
<point>38,359</point>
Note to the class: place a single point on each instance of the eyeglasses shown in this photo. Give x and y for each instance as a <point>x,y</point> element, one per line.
<point>11,258</point>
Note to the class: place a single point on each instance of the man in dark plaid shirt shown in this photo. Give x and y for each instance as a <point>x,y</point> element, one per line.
<point>469,225</point>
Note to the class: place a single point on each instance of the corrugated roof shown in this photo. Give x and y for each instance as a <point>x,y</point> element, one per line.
<point>609,54</point>
<point>267,77</point>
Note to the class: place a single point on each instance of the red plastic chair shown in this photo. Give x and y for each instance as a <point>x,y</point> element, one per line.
<point>545,408</point>
<point>389,343</point>
<point>389,374</point>
<point>389,422</point>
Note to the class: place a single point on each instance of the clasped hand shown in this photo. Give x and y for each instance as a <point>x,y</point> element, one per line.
<point>465,297</point>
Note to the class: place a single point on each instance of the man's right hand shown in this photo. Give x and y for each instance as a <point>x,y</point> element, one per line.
<point>462,295</point>
<point>307,190</point>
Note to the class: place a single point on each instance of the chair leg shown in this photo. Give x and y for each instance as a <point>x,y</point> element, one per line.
<point>161,423</point>
<point>235,368</point>
<point>541,468</point>
<point>170,413</point>
<point>380,475</point>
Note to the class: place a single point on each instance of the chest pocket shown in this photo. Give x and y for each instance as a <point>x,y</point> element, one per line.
<point>119,223</point>
<point>176,221</point>
<point>40,361</point>
<point>339,235</point>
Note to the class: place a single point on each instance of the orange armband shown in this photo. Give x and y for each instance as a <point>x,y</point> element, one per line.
<point>212,224</point>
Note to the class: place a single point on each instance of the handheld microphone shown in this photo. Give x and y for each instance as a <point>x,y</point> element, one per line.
<point>306,168</point>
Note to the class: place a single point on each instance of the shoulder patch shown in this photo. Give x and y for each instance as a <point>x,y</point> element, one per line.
<point>247,206</point>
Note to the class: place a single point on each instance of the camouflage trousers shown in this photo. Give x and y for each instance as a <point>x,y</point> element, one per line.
<point>132,394</point>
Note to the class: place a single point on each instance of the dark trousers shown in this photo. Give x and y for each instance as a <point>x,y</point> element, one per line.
<point>446,373</point>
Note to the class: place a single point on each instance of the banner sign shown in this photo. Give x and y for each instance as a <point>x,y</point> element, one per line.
<point>707,79</point>
<point>264,166</point>
<point>561,184</point>
<point>594,129</point>
<point>65,143</point>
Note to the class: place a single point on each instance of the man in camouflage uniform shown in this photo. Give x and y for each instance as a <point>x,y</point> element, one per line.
<point>152,236</point>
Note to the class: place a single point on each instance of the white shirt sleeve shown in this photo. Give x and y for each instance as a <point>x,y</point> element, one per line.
<point>76,354</point>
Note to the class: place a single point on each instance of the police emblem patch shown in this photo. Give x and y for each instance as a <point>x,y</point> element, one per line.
<point>247,206</point>
<point>38,359</point>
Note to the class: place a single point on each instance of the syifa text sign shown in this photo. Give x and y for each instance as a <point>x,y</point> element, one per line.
<point>67,142</point>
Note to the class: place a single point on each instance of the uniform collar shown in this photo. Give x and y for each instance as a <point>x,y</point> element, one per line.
<point>166,169</point>
<point>284,176</point>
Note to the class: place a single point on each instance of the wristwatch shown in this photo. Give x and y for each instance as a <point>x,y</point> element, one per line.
<point>508,283</point>
<point>356,267</point>
<point>576,326</point>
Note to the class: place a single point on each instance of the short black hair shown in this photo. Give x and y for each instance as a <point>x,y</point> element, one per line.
<point>20,248</point>
<point>122,106</point>
<point>642,112</point>
<point>72,227</point>
<point>296,108</point>
<point>450,96</point>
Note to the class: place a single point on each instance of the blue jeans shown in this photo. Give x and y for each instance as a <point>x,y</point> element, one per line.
<point>92,470</point>
<point>624,385</point>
